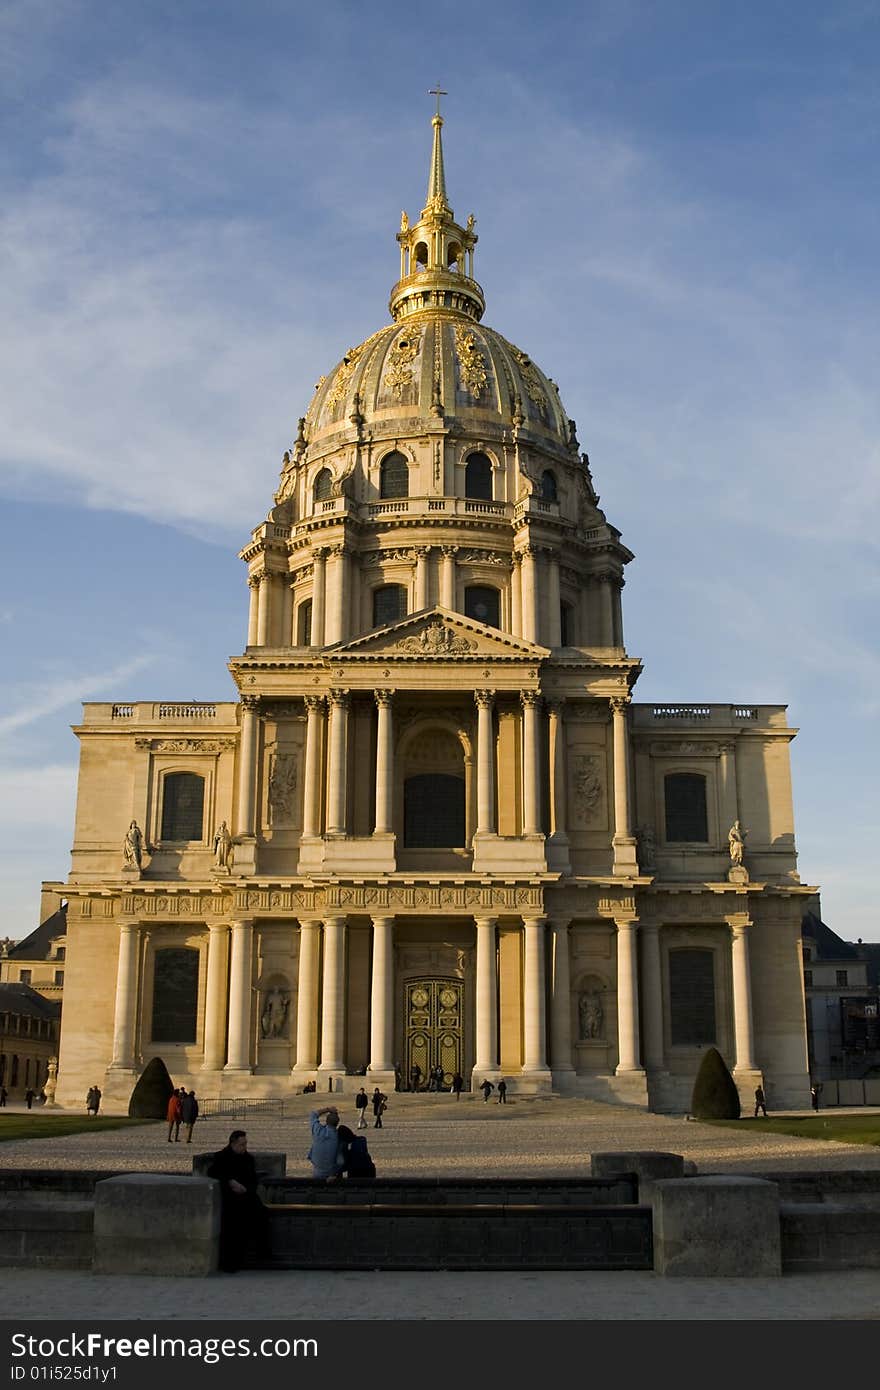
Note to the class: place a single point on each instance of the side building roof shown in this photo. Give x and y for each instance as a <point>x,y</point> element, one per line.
<point>21,999</point>
<point>38,946</point>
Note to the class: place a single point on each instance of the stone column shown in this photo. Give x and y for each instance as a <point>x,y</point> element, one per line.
<point>247,767</point>
<point>486,1059</point>
<point>382,996</point>
<point>307,998</point>
<point>264,611</point>
<point>652,996</point>
<point>558,787</point>
<point>447,576</point>
<point>606,609</point>
<point>335,621</point>
<point>531,763</point>
<point>315,706</point>
<point>337,772</point>
<point>616,587</point>
<point>253,609</point>
<point>286,635</point>
<point>125,1014</point>
<point>534,995</point>
<point>384,763</point>
<point>333,1000</point>
<point>560,1000</point>
<point>516,621</point>
<point>627,996</point>
<point>554,614</point>
<point>624,843</point>
<point>240,997</point>
<point>421,585</point>
<point>742,993</point>
<point>319,595</point>
<point>529,582</point>
<point>485,700</point>
<point>215,997</point>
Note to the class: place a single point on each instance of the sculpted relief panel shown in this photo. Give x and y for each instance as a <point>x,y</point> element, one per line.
<point>588,791</point>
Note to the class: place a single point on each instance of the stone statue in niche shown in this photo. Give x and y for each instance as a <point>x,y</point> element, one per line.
<point>273,1019</point>
<point>222,846</point>
<point>133,847</point>
<point>736,840</point>
<point>647,847</point>
<point>591,1015</point>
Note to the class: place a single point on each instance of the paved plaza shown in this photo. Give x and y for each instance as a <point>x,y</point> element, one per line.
<point>428,1135</point>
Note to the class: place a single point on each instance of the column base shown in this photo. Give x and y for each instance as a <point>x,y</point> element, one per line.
<point>631,1087</point>
<point>383,1077</point>
<point>529,1083</point>
<point>746,1079</point>
<point>564,1080</point>
<point>626,862</point>
<point>331,1078</point>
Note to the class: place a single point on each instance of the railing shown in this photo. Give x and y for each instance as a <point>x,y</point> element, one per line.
<point>401,504</point>
<point>682,712</point>
<point>122,712</point>
<point>239,1107</point>
<point>188,711</point>
<point>484,508</point>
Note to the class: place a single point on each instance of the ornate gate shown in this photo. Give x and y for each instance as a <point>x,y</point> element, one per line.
<point>433,1015</point>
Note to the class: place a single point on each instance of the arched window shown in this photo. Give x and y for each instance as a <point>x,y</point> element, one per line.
<point>304,624</point>
<point>433,811</point>
<point>183,806</point>
<point>686,815</point>
<point>389,604</point>
<point>691,997</point>
<point>478,478</point>
<point>421,256</point>
<point>394,476</point>
<point>549,491</point>
<point>323,486</point>
<point>483,604</point>
<point>175,994</point>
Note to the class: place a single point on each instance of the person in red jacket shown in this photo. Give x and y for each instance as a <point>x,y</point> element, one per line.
<point>173,1116</point>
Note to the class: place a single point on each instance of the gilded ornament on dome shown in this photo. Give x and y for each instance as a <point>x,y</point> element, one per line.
<point>345,371</point>
<point>470,363</point>
<point>400,363</point>
<point>532,380</point>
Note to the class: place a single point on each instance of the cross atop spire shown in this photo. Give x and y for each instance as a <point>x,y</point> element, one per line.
<point>437,200</point>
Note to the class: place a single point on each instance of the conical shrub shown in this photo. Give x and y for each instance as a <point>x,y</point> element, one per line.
<point>715,1096</point>
<point>149,1099</point>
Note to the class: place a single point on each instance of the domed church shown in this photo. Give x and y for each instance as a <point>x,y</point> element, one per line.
<point>435,833</point>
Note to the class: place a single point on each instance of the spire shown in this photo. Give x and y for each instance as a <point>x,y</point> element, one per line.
<point>437,201</point>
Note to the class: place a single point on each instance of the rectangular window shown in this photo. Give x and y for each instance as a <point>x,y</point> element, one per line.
<point>842,977</point>
<point>183,805</point>
<point>175,995</point>
<point>808,979</point>
<point>687,819</point>
<point>61,953</point>
<point>25,977</point>
<point>59,977</point>
<point>691,997</point>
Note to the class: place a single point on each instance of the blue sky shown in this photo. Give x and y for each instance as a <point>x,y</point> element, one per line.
<point>677,206</point>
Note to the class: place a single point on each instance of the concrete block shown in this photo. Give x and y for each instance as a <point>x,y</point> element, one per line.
<point>268,1165</point>
<point>646,1164</point>
<point>711,1226</point>
<point>150,1223</point>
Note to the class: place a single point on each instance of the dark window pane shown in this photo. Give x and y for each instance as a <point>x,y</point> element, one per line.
<point>183,805</point>
<point>564,624</point>
<point>548,486</point>
<point>323,485</point>
<point>175,995</point>
<point>691,997</point>
<point>389,604</point>
<point>842,977</point>
<point>808,979</point>
<point>394,476</point>
<point>478,478</point>
<point>482,604</point>
<point>433,811</point>
<point>304,625</point>
<point>59,977</point>
<point>686,817</point>
<point>24,977</point>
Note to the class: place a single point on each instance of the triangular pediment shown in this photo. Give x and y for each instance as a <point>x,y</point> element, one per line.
<point>437,634</point>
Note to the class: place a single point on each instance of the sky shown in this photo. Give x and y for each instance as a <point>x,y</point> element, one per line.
<point>679,215</point>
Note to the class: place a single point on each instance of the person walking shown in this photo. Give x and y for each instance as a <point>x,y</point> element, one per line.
<point>324,1154</point>
<point>502,1092</point>
<point>3,1094</point>
<point>29,1098</point>
<point>457,1085</point>
<point>487,1088</point>
<point>189,1113</point>
<point>173,1116</point>
<point>93,1100</point>
<point>759,1101</point>
<point>415,1076</point>
<point>361,1101</point>
<point>815,1091</point>
<point>243,1217</point>
<point>380,1103</point>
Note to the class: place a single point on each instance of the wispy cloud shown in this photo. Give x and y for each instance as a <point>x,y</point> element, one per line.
<point>62,693</point>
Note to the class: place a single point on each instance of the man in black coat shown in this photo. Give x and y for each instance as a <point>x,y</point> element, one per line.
<point>243,1217</point>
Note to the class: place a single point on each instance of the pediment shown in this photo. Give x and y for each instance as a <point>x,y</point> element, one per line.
<point>439,635</point>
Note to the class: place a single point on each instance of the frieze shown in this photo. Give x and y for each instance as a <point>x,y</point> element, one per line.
<point>284,709</point>
<point>184,745</point>
<point>684,748</point>
<point>592,712</point>
<point>481,557</point>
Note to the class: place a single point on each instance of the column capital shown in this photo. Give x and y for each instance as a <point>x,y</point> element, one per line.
<point>530,698</point>
<point>384,697</point>
<point>538,920</point>
<point>739,922</point>
<point>314,703</point>
<point>559,923</point>
<point>516,559</point>
<point>250,704</point>
<point>264,575</point>
<point>215,928</point>
<point>335,919</point>
<point>422,552</point>
<point>555,704</point>
<point>337,549</point>
<point>449,552</point>
<point>484,699</point>
<point>254,581</point>
<point>243,922</point>
<point>486,921</point>
<point>341,697</point>
<point>310,923</point>
<point>319,553</point>
<point>383,919</point>
<point>625,923</point>
<point>620,703</point>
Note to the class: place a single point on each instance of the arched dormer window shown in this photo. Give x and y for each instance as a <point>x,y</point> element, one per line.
<point>394,476</point>
<point>323,486</point>
<point>478,478</point>
<point>549,490</point>
<point>687,818</point>
<point>183,806</point>
<point>389,604</point>
<point>483,604</point>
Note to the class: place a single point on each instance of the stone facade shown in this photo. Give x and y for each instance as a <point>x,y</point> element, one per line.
<point>435,830</point>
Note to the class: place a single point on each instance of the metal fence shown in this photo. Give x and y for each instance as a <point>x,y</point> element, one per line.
<point>240,1107</point>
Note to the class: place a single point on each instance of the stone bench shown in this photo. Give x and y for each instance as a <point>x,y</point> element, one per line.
<point>617,1191</point>
<point>36,1232</point>
<point>268,1165</point>
<point>823,1236</point>
<point>716,1226</point>
<point>152,1223</point>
